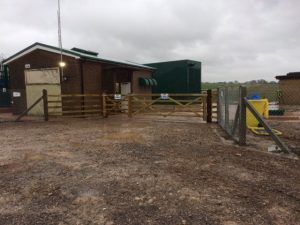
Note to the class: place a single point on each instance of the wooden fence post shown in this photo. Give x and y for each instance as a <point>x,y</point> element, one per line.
<point>204,100</point>
<point>45,102</point>
<point>101,104</point>
<point>242,116</point>
<point>129,105</point>
<point>209,106</point>
<point>104,106</point>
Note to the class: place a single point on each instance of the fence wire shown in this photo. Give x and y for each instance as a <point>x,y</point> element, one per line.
<point>228,105</point>
<point>228,102</point>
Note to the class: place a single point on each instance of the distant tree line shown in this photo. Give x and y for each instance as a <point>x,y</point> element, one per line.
<point>213,85</point>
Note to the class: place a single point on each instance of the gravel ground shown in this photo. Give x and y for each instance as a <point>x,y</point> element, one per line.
<point>291,132</point>
<point>110,171</point>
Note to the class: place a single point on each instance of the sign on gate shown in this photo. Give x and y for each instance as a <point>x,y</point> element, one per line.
<point>164,104</point>
<point>164,96</point>
<point>118,97</point>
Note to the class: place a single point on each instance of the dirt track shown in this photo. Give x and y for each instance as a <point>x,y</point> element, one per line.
<point>111,172</point>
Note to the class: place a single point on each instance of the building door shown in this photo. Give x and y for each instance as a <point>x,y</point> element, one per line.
<point>125,90</point>
<point>36,81</point>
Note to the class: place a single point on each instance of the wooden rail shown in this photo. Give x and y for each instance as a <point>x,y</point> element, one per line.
<point>27,110</point>
<point>45,104</point>
<point>81,105</point>
<point>113,105</point>
<point>173,105</point>
<point>202,105</point>
<point>74,105</point>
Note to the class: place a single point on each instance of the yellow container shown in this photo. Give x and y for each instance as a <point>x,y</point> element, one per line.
<point>262,106</point>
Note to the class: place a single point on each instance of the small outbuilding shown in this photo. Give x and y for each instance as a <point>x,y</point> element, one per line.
<point>181,76</point>
<point>82,72</point>
<point>289,85</point>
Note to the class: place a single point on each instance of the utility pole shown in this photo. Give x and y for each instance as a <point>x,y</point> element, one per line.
<point>61,63</point>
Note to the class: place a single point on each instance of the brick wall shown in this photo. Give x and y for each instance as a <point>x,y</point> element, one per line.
<point>136,88</point>
<point>94,79</point>
<point>42,59</point>
<point>92,72</point>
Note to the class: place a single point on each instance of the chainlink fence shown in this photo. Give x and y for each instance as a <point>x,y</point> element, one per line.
<point>227,112</point>
<point>287,121</point>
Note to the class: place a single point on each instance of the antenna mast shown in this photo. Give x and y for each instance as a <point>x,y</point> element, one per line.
<point>61,63</point>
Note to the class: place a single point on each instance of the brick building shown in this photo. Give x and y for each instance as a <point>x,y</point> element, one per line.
<point>36,68</point>
<point>290,88</point>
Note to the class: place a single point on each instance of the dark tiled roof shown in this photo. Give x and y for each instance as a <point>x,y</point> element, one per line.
<point>289,76</point>
<point>79,54</point>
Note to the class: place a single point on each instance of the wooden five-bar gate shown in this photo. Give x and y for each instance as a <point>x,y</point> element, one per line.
<point>78,105</point>
<point>193,105</point>
<point>202,105</point>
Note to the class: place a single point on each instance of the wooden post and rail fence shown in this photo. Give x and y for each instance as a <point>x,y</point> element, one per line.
<point>165,105</point>
<point>43,99</point>
<point>205,105</point>
<point>84,105</point>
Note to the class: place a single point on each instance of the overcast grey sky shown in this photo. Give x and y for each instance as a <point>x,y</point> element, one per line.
<point>234,39</point>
